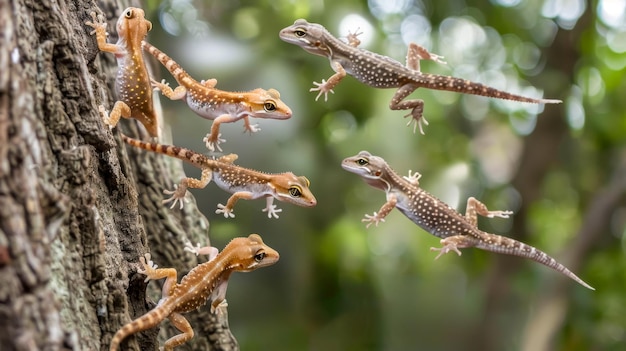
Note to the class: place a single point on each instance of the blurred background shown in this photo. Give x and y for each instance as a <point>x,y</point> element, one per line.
<point>560,168</point>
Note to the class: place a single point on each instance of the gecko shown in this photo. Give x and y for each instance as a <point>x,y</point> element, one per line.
<point>380,71</point>
<point>243,183</point>
<point>218,105</point>
<point>132,81</point>
<point>437,218</point>
<point>206,282</point>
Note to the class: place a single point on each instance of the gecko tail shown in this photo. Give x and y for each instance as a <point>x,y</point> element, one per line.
<point>181,153</point>
<point>464,86</point>
<point>508,246</point>
<point>174,68</point>
<point>147,321</point>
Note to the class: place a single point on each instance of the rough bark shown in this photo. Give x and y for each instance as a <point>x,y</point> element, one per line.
<point>77,207</point>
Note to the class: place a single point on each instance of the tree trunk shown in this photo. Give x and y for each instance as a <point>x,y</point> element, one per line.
<point>78,208</point>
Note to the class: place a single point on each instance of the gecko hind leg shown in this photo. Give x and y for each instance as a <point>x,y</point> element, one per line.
<point>182,324</point>
<point>454,243</point>
<point>416,53</point>
<point>416,106</point>
<point>475,207</point>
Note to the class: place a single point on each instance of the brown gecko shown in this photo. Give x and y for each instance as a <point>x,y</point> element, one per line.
<point>436,217</point>
<point>380,71</point>
<point>218,105</point>
<point>132,81</point>
<point>206,282</point>
<point>242,182</point>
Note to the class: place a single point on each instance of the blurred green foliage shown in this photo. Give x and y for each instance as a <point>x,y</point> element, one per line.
<point>340,286</point>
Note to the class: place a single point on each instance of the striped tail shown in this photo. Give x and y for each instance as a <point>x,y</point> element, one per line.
<point>147,321</point>
<point>464,86</point>
<point>197,159</point>
<point>182,77</point>
<point>508,246</point>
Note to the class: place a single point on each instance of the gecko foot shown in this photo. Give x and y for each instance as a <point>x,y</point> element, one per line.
<point>201,250</point>
<point>105,116</point>
<point>178,195</point>
<point>447,247</point>
<point>372,219</point>
<point>213,142</point>
<point>228,213</point>
<point>97,21</point>
<point>252,128</point>
<point>501,214</point>
<point>413,178</point>
<point>149,267</point>
<point>159,86</point>
<point>209,83</point>
<point>322,88</point>
<point>272,211</point>
<point>353,38</point>
<point>419,121</point>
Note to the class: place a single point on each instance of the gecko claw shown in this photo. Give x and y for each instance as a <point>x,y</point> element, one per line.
<point>372,219</point>
<point>445,249</point>
<point>419,122</point>
<point>228,213</point>
<point>272,211</point>
<point>178,195</point>
<point>322,88</point>
<point>213,143</point>
<point>501,214</point>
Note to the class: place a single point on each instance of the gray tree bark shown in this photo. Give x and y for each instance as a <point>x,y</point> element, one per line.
<point>77,207</point>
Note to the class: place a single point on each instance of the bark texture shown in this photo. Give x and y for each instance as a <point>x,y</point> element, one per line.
<point>77,207</point>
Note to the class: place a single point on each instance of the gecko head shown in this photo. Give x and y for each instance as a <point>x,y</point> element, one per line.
<point>309,36</point>
<point>364,164</point>
<point>251,253</point>
<point>133,25</point>
<point>369,167</point>
<point>267,104</point>
<point>293,189</point>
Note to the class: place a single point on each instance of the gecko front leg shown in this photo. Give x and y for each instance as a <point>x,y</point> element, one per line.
<point>353,38</point>
<point>227,209</point>
<point>327,85</point>
<point>271,209</point>
<point>178,194</point>
<point>413,178</point>
<point>379,216</point>
<point>151,272</point>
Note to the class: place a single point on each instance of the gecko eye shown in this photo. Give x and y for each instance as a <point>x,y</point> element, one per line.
<point>295,191</point>
<point>362,162</point>
<point>269,106</point>
<point>129,14</point>
<point>259,256</point>
<point>299,33</point>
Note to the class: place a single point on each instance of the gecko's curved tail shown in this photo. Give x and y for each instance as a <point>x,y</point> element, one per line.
<point>508,246</point>
<point>147,321</point>
<point>174,68</point>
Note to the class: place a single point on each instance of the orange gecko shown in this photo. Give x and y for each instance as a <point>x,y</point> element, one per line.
<point>218,105</point>
<point>132,81</point>
<point>206,282</point>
